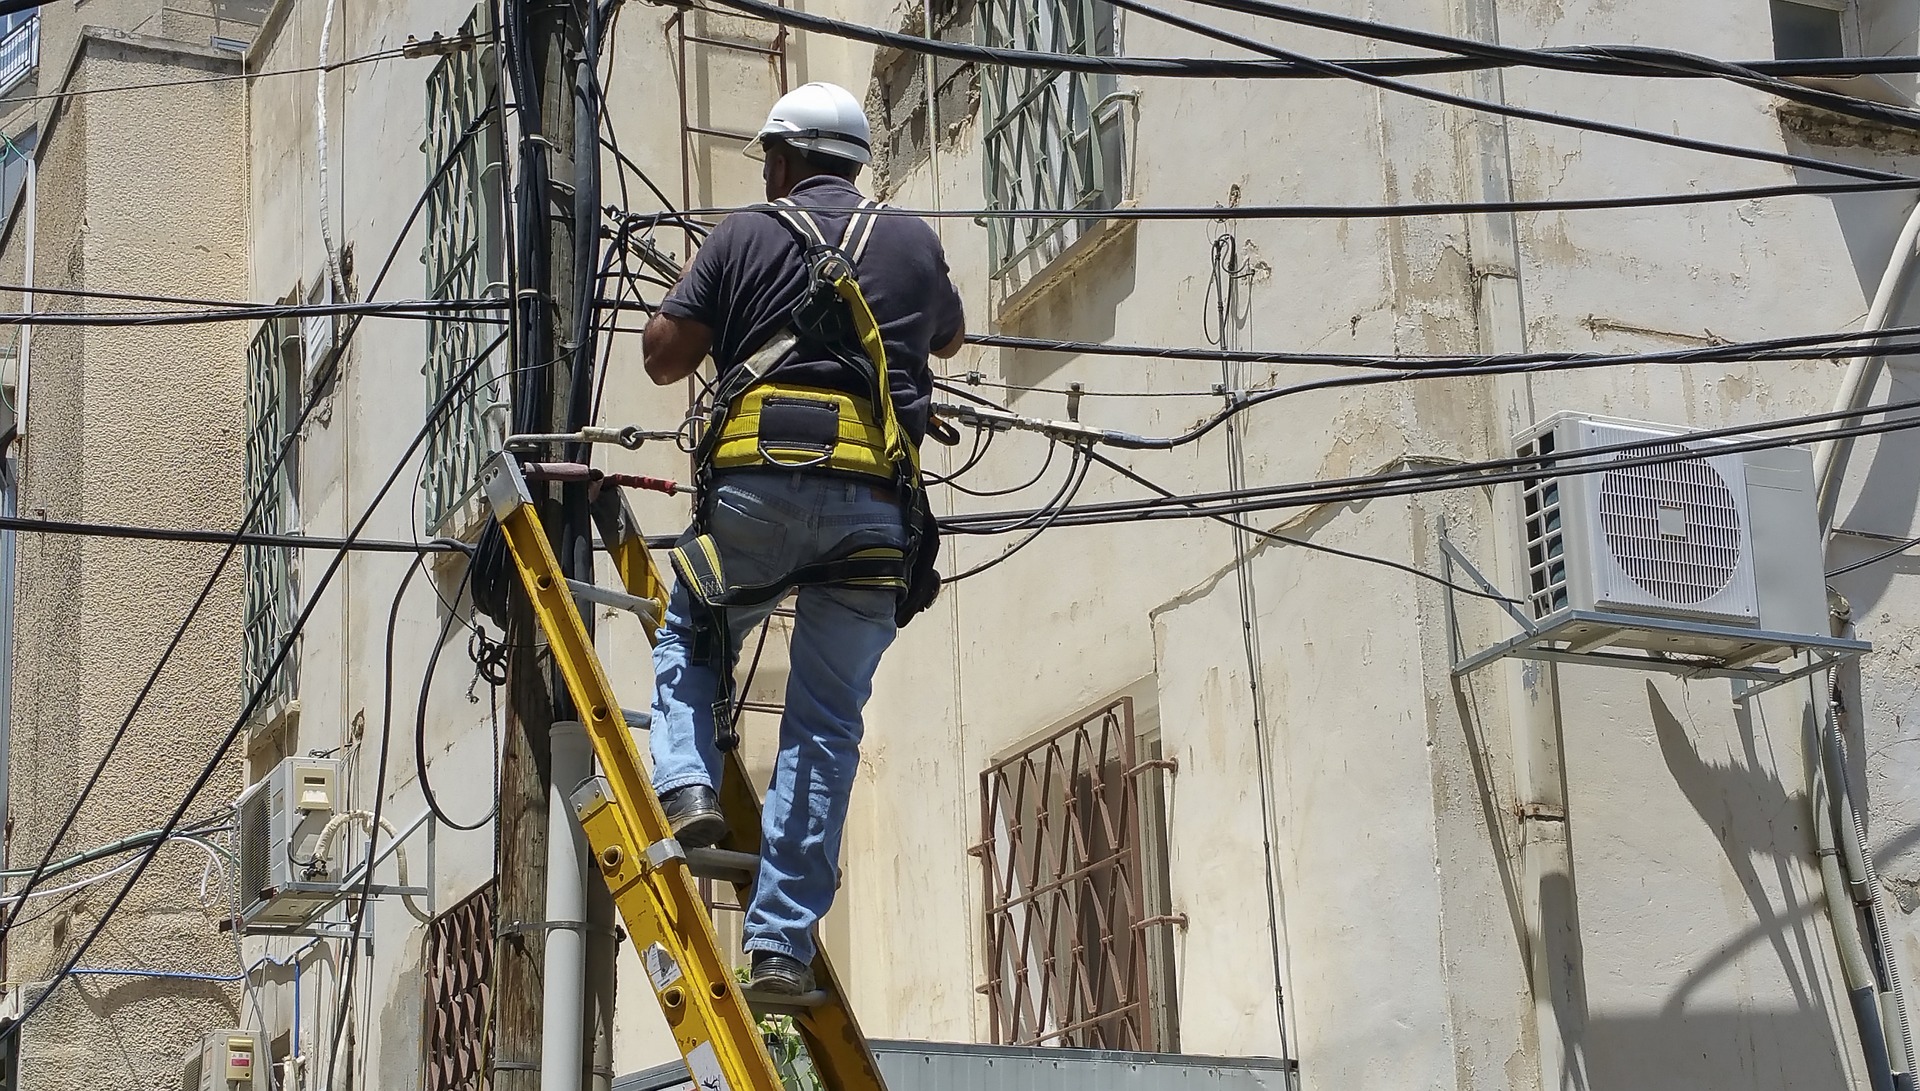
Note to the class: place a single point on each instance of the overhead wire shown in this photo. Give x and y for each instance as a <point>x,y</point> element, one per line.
<point>1153,213</point>
<point>317,388</point>
<point>1463,474</point>
<point>1908,119</point>
<point>1842,343</point>
<point>1646,61</point>
<point>1217,68</point>
<point>258,694</point>
<point>1875,559</point>
<point>438,42</point>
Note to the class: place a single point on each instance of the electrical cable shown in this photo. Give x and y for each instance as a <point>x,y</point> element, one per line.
<point>217,537</point>
<point>1217,68</point>
<point>982,440</point>
<point>1076,476</point>
<point>379,795</point>
<point>1268,535</point>
<point>1908,119</point>
<point>1152,213</point>
<point>1046,462</point>
<point>420,724</point>
<point>1875,559</point>
<point>317,388</point>
<point>252,704</point>
<point>439,41</point>
<point>1650,61</point>
<point>420,310</point>
<point>1458,475</point>
<point>1842,343</point>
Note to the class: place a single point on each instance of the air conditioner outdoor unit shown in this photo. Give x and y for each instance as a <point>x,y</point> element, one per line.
<point>1716,555</point>
<point>280,819</point>
<point>225,1060</point>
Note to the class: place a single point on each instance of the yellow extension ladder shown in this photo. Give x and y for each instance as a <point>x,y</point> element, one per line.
<point>715,1020</point>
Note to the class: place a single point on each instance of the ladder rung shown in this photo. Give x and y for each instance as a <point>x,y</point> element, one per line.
<point>777,1004</point>
<point>637,719</point>
<point>738,868</point>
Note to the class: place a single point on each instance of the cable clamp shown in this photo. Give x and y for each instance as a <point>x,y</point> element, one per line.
<point>440,45</point>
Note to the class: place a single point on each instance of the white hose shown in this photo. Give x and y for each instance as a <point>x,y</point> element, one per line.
<point>331,831</point>
<point>320,151</point>
<point>1830,456</point>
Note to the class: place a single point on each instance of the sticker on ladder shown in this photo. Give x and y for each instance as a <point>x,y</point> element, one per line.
<point>660,967</point>
<point>705,1067</point>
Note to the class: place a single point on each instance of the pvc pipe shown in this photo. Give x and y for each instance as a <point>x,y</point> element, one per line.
<point>1830,456</point>
<point>1846,927</point>
<point>1866,884</point>
<point>562,1046</point>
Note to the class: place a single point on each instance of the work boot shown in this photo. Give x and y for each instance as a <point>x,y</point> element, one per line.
<point>694,814</point>
<point>780,975</point>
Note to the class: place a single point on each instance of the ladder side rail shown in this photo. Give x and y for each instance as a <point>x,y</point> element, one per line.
<point>631,840</point>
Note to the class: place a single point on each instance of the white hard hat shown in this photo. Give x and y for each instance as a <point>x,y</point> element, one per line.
<point>819,117</point>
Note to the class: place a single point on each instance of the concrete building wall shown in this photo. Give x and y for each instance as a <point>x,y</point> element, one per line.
<point>1519,879</point>
<point>134,195</point>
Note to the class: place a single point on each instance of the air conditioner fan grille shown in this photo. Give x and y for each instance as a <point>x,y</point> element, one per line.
<point>1672,527</point>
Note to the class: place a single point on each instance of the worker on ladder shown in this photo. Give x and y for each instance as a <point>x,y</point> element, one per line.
<point>820,314</point>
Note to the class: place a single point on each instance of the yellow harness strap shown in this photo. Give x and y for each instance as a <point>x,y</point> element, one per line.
<point>802,427</point>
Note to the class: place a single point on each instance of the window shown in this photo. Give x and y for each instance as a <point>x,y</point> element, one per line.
<point>19,48</point>
<point>459,981</point>
<point>898,101</point>
<point>1809,29</point>
<point>1053,139</point>
<point>16,154</point>
<point>274,363</point>
<point>1076,906</point>
<point>464,260</point>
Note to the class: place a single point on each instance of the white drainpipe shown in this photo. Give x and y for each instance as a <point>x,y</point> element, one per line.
<point>1830,456</point>
<point>562,1045</point>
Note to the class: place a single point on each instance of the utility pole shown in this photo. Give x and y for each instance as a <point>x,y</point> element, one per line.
<point>546,50</point>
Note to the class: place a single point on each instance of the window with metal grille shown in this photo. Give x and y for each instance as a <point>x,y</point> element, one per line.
<point>1052,139</point>
<point>459,984</point>
<point>464,259</point>
<point>274,364</point>
<point>1076,910</point>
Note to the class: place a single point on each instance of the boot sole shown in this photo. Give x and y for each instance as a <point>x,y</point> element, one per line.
<point>700,831</point>
<point>780,985</point>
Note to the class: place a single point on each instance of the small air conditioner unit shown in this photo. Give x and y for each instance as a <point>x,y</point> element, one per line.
<point>224,1060</point>
<point>1716,555</point>
<point>280,819</point>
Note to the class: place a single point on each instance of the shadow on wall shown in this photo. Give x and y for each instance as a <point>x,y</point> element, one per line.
<point>1889,493</point>
<point>1079,299</point>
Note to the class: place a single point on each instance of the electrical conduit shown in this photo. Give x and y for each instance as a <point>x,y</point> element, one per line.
<point>1830,456</point>
<point>1829,467</point>
<point>562,1046</point>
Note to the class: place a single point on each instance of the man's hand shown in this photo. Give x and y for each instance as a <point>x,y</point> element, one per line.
<point>947,351</point>
<point>673,347</point>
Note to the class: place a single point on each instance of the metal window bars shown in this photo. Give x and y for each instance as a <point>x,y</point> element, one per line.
<point>1052,139</point>
<point>19,53</point>
<point>464,260</point>
<point>1065,907</point>
<point>459,987</point>
<point>271,596</point>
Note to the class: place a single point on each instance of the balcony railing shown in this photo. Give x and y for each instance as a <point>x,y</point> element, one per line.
<point>19,54</point>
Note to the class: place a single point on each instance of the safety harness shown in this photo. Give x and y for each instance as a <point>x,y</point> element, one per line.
<point>758,422</point>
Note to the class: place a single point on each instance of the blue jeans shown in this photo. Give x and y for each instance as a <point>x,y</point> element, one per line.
<point>766,523</point>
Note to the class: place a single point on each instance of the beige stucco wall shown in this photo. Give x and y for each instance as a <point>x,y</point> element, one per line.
<point>1433,929</point>
<point>142,195</point>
